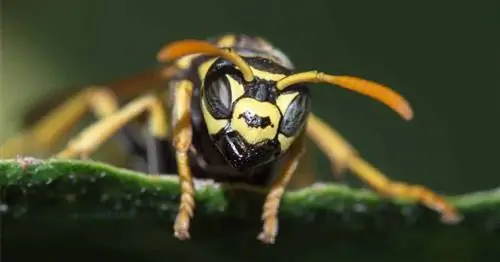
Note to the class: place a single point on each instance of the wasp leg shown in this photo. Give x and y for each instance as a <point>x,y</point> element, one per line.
<point>96,134</point>
<point>305,174</point>
<point>50,129</point>
<point>331,144</point>
<point>182,137</point>
<point>273,198</point>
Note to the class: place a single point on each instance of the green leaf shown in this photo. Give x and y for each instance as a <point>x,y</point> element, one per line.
<point>56,207</point>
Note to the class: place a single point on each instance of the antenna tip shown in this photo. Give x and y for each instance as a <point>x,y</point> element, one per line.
<point>405,111</point>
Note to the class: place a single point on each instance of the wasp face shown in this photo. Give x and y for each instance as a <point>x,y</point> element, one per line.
<point>252,123</point>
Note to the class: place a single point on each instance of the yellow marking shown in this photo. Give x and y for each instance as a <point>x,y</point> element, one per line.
<point>237,90</point>
<point>213,125</point>
<point>227,41</point>
<point>283,101</point>
<point>267,75</point>
<point>203,68</point>
<point>254,135</point>
<point>185,61</point>
<point>285,141</point>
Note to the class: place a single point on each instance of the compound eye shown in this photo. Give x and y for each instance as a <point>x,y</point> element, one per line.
<point>217,95</point>
<point>295,114</point>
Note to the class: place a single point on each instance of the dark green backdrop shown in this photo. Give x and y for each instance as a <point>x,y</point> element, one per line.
<point>443,56</point>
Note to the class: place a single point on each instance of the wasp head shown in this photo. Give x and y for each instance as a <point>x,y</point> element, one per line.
<point>251,122</point>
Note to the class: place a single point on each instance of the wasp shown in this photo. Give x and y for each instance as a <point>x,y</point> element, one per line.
<point>232,108</point>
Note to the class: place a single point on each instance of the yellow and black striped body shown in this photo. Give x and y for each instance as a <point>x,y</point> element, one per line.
<point>240,132</point>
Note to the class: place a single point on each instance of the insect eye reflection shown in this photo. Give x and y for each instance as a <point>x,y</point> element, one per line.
<point>218,97</point>
<point>221,90</point>
<point>294,107</point>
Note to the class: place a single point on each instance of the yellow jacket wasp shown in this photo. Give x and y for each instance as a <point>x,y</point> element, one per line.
<point>233,109</point>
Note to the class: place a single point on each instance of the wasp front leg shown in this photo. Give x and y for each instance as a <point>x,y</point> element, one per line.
<point>336,149</point>
<point>274,196</point>
<point>182,137</point>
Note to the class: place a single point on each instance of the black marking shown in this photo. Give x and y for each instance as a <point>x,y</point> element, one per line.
<point>255,121</point>
<point>222,67</point>
<point>267,65</point>
<point>262,90</point>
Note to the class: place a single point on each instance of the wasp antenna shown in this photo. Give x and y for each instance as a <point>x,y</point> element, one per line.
<point>182,48</point>
<point>374,90</point>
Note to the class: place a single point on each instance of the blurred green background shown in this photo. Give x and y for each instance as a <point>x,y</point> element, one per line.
<point>443,56</point>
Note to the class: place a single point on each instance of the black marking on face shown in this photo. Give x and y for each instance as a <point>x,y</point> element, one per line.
<point>255,121</point>
<point>222,67</point>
